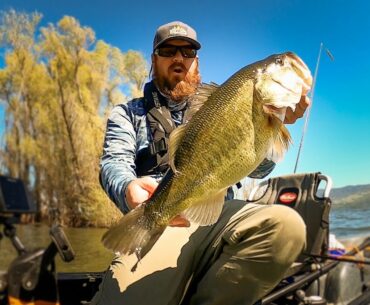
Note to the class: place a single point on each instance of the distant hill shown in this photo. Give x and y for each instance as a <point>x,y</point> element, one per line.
<point>352,194</point>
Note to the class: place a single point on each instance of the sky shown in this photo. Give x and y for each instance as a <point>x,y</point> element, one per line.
<point>234,34</point>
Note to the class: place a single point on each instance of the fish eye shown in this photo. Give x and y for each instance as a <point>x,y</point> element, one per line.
<point>279,61</point>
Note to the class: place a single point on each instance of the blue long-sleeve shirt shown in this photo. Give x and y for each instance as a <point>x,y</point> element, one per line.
<point>127,133</point>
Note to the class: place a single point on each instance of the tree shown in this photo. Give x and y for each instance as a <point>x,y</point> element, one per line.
<point>57,89</point>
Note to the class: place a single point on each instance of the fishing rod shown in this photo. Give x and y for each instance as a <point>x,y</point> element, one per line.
<point>311,97</point>
<point>346,259</point>
<point>310,277</point>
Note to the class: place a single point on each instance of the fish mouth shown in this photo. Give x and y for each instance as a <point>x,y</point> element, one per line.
<point>282,82</point>
<point>301,69</point>
<point>289,79</point>
<point>301,72</point>
<point>286,87</point>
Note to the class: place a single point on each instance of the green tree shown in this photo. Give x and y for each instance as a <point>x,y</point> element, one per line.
<point>57,88</point>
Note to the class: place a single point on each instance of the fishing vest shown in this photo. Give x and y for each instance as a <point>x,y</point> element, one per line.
<point>153,160</point>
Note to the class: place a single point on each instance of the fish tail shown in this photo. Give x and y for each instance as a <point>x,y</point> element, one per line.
<point>132,234</point>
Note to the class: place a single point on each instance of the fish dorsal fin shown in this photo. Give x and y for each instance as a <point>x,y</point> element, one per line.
<point>281,142</point>
<point>173,143</point>
<point>207,211</point>
<point>204,91</point>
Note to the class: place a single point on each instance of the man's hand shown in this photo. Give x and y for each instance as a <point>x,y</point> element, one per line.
<point>141,189</point>
<point>292,116</point>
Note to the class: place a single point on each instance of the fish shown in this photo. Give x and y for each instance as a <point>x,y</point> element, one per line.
<point>237,126</point>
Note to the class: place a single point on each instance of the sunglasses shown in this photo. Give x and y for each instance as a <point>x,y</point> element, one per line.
<point>170,51</point>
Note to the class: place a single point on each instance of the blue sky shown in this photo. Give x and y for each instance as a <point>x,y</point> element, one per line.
<point>236,33</point>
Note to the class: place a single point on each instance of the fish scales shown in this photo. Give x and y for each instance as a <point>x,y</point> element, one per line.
<point>204,135</point>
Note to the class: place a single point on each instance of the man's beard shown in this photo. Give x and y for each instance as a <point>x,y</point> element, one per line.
<point>181,89</point>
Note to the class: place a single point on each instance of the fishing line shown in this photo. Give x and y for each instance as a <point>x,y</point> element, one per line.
<point>310,106</point>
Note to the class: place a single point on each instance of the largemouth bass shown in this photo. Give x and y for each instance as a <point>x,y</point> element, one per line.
<point>238,125</point>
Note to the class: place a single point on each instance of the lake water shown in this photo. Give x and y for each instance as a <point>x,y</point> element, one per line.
<point>346,222</point>
<point>91,256</point>
<point>350,221</point>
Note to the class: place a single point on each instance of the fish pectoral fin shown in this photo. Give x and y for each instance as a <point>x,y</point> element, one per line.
<point>280,143</point>
<point>207,211</point>
<point>174,142</point>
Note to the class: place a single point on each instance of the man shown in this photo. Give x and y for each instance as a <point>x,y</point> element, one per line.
<point>235,261</point>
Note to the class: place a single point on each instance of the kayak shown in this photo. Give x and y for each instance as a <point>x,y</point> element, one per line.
<point>328,272</point>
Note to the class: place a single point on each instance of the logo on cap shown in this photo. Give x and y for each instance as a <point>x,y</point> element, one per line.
<point>178,31</point>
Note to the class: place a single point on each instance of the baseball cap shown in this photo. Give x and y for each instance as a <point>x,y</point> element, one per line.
<point>175,30</point>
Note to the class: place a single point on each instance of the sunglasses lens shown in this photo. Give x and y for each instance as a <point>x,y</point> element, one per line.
<point>167,51</point>
<point>170,51</point>
<point>188,52</point>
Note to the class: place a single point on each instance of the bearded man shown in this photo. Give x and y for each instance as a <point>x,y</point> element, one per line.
<point>235,261</point>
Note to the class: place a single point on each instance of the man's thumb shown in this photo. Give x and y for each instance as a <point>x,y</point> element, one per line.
<point>148,183</point>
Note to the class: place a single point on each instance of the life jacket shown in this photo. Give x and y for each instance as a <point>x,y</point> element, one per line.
<point>153,160</point>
